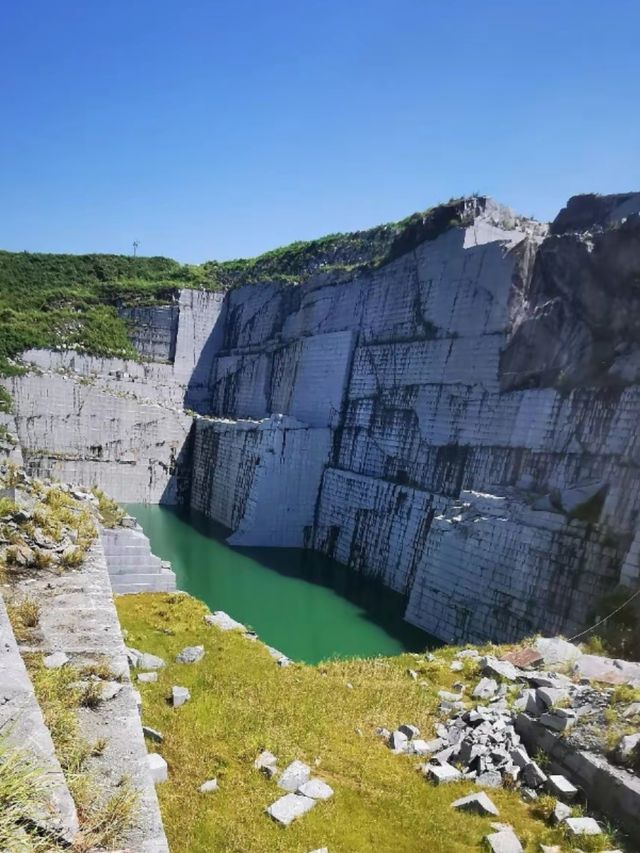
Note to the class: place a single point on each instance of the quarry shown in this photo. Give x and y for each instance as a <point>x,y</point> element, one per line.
<point>445,411</point>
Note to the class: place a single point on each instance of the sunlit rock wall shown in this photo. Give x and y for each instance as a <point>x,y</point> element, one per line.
<point>260,479</point>
<point>461,421</point>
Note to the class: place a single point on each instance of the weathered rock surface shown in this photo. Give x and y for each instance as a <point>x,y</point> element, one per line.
<point>288,808</point>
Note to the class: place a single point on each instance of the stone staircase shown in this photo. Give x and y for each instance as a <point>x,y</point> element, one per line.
<point>132,565</point>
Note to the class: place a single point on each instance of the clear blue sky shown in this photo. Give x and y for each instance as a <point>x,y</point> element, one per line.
<point>222,128</point>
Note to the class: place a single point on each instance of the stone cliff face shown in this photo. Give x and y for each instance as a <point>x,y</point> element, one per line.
<point>458,420</point>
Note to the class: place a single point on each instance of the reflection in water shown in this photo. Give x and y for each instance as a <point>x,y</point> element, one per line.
<point>301,602</point>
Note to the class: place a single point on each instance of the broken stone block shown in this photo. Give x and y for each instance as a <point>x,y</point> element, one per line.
<point>190,654</point>
<point>551,695</point>
<point>560,812</point>
<point>109,690</point>
<point>555,650</point>
<point>533,775</point>
<point>222,621</point>
<point>577,826</point>
<point>627,746</point>
<point>316,789</point>
<point>179,695</point>
<point>499,668</point>
<point>632,711</point>
<point>485,688</point>
<point>478,803</point>
<point>559,719</point>
<point>448,697</point>
<point>288,808</point>
<point>152,734</point>
<point>266,763</point>
<point>442,773</point>
<point>528,795</point>
<point>520,757</point>
<point>147,661</point>
<point>55,660</point>
<point>147,677</point>
<point>524,658</point>
<point>209,786</point>
<point>505,841</point>
<point>157,767</point>
<point>489,779</point>
<point>419,747</point>
<point>398,741</point>
<point>409,730</point>
<point>560,786</point>
<point>293,776</point>
<point>456,666</point>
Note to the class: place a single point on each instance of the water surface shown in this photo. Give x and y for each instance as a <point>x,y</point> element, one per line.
<point>305,604</point>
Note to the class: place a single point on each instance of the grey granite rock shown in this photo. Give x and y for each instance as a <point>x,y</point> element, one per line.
<point>479,803</point>
<point>157,767</point>
<point>209,786</point>
<point>55,660</point>
<point>288,808</point>
<point>505,841</point>
<point>190,654</point>
<point>316,789</point>
<point>179,695</point>
<point>293,776</point>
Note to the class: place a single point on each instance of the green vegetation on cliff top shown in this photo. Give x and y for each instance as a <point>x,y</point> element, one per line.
<point>71,301</point>
<point>325,715</point>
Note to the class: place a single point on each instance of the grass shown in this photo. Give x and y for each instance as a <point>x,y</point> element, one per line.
<point>21,789</point>
<point>242,703</point>
<point>111,514</point>
<point>103,821</point>
<point>72,301</point>
<point>24,616</point>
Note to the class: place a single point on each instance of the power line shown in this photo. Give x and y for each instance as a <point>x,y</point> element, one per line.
<point>613,613</point>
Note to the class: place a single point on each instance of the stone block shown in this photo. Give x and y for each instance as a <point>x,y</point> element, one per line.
<point>293,776</point>
<point>479,803</point>
<point>288,808</point>
<point>316,789</point>
<point>157,767</point>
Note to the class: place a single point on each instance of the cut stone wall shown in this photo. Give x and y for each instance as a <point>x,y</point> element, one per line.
<point>447,406</point>
<point>260,479</point>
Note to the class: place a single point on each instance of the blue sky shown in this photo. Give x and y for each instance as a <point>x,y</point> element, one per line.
<point>209,129</point>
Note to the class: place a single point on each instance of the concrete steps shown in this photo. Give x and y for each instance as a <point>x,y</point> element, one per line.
<point>132,565</point>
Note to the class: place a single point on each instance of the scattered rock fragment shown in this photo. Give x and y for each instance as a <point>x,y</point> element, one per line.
<point>489,779</point>
<point>560,786</point>
<point>412,674</point>
<point>152,734</point>
<point>632,711</point>
<point>485,688</point>
<point>577,826</point>
<point>478,803</point>
<point>55,660</point>
<point>148,661</point>
<point>190,654</point>
<point>288,808</point>
<point>223,621</point>
<point>498,668</point>
<point>398,741</point>
<point>505,841</point>
<point>179,695</point>
<point>533,775</point>
<point>316,789</point>
<point>524,658</point>
<point>266,763</point>
<point>158,767</point>
<point>409,730</point>
<point>147,677</point>
<point>561,812</point>
<point>293,776</point>
<point>109,690</point>
<point>555,650</point>
<point>209,786</point>
<point>442,773</point>
<point>456,666</point>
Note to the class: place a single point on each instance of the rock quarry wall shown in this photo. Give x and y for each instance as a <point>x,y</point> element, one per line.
<point>460,421</point>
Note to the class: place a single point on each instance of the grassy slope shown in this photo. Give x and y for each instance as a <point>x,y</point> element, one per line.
<point>242,702</point>
<point>49,300</point>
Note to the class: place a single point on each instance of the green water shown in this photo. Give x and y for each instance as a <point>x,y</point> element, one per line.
<point>305,604</point>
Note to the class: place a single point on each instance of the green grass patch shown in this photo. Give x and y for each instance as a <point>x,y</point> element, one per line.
<point>325,715</point>
<point>71,301</point>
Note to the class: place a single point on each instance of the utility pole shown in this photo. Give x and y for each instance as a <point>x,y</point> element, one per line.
<point>135,247</point>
